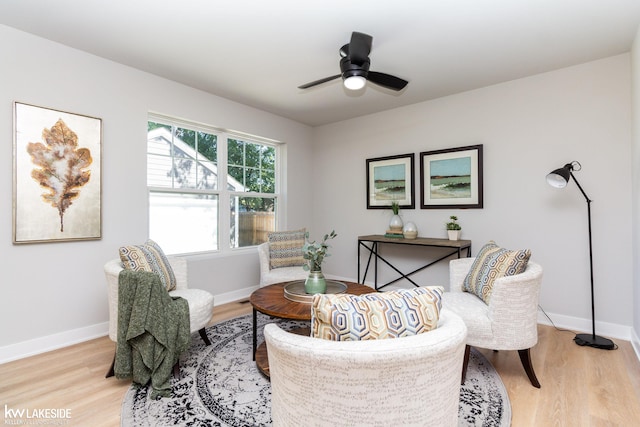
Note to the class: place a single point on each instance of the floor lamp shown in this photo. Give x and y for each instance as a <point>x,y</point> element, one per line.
<point>559,179</point>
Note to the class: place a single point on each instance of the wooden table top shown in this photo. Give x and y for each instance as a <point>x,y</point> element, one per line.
<point>270,300</point>
<point>419,241</point>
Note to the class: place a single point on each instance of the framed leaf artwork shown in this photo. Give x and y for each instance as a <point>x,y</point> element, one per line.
<point>57,159</point>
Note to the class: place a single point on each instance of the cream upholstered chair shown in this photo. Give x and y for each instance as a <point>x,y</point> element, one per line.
<point>270,275</point>
<point>508,322</point>
<point>200,301</point>
<point>413,380</point>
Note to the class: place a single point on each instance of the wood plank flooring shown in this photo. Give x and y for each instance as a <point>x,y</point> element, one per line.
<point>581,386</point>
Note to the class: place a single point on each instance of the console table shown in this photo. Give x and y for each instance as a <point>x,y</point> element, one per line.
<point>371,243</point>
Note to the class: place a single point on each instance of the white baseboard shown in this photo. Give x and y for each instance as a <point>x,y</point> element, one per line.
<point>238,295</point>
<point>51,342</point>
<point>577,324</point>
<point>635,342</point>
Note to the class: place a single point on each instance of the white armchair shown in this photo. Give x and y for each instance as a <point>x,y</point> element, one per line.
<point>200,301</point>
<point>270,275</point>
<point>411,380</point>
<point>508,322</point>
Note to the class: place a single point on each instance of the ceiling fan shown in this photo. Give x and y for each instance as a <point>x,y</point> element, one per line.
<point>354,66</point>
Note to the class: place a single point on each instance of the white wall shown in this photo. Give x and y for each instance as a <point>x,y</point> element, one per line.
<point>528,127</point>
<point>635,84</point>
<point>55,293</point>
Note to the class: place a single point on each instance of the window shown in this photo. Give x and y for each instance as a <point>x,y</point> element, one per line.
<point>209,190</point>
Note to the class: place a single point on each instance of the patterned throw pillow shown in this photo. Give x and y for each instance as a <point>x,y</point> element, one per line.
<point>149,257</point>
<point>491,263</point>
<point>393,314</point>
<point>285,248</point>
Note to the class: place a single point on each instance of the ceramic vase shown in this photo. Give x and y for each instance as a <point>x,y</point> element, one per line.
<point>454,234</point>
<point>410,231</point>
<point>315,283</point>
<point>395,224</point>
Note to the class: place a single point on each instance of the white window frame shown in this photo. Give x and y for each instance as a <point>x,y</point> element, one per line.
<point>224,195</point>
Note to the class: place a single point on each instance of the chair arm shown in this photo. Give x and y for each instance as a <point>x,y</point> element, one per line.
<point>263,255</point>
<point>513,308</point>
<point>112,270</point>
<point>180,271</point>
<point>458,270</point>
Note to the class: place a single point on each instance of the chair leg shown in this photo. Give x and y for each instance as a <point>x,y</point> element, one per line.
<point>111,371</point>
<point>525,358</point>
<point>465,362</point>
<point>203,335</point>
<point>176,370</point>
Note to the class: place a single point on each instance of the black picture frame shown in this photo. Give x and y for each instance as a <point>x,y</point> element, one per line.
<point>391,179</point>
<point>451,178</point>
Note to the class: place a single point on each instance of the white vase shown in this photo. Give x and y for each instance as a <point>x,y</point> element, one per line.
<point>454,234</point>
<point>410,230</point>
<point>395,224</point>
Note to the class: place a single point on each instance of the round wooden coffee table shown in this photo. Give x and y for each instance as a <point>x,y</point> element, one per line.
<point>271,301</point>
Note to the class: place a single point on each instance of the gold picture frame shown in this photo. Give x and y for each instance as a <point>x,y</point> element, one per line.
<point>57,175</point>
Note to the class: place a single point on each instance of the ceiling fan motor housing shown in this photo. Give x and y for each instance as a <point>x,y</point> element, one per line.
<point>350,70</point>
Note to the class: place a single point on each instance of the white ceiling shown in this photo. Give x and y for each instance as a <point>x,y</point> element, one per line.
<point>258,52</point>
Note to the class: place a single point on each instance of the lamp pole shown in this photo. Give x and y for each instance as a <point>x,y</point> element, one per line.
<point>559,178</point>
<point>593,307</point>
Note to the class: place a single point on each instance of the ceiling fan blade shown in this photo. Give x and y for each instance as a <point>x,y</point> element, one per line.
<point>319,82</point>
<point>359,47</point>
<point>387,80</point>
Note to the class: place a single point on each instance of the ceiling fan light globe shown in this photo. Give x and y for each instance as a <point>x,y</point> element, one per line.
<point>355,82</point>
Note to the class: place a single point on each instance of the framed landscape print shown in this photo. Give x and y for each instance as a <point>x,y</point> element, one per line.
<point>451,178</point>
<point>57,159</point>
<point>390,179</point>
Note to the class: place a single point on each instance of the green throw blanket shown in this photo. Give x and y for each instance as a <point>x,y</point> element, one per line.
<point>153,329</point>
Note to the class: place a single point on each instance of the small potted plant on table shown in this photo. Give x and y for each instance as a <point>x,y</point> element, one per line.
<point>453,228</point>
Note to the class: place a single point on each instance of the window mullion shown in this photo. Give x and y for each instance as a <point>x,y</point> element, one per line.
<point>224,201</point>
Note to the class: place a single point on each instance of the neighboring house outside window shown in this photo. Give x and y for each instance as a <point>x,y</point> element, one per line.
<point>209,190</point>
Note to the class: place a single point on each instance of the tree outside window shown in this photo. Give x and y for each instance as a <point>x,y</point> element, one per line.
<point>186,199</point>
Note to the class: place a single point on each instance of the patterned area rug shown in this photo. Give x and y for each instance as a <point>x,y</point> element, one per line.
<point>220,385</point>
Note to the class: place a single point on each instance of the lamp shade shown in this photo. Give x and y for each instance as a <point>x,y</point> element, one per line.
<point>560,177</point>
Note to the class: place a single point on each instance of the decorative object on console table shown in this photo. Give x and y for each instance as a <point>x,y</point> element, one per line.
<point>559,179</point>
<point>395,224</point>
<point>315,253</point>
<point>410,231</point>
<point>453,228</point>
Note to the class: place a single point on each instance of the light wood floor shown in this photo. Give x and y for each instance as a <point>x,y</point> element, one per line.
<point>580,386</point>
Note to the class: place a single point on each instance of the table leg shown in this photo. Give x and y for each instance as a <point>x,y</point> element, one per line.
<point>255,333</point>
